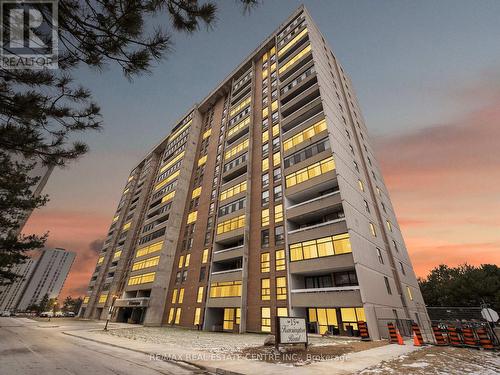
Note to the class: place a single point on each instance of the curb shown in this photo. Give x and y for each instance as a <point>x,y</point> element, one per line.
<point>184,364</point>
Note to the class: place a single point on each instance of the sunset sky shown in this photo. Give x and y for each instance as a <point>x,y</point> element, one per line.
<point>427,75</point>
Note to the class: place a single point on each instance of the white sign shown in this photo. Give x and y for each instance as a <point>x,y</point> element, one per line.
<point>292,330</point>
<point>490,315</point>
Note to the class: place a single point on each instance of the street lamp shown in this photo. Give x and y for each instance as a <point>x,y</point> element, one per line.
<point>110,312</point>
<point>54,309</point>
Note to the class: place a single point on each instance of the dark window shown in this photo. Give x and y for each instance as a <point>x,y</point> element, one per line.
<point>264,238</point>
<point>387,285</point>
<point>279,235</point>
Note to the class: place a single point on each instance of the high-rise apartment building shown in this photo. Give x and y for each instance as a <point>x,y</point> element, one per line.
<point>42,275</point>
<point>264,200</point>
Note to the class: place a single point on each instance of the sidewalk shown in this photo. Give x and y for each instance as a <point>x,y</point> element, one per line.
<point>221,364</point>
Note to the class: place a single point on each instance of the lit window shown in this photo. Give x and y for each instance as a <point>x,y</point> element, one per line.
<point>100,260</point>
<point>202,160</point>
<point>181,261</point>
<point>196,192</point>
<point>149,249</point>
<point>310,171</point>
<point>174,296</point>
<point>265,262</point>
<point>167,180</point>
<point>265,164</point>
<point>265,217</point>
<point>295,39</point>
<point>171,315</point>
<point>276,130</point>
<point>410,295</point>
<point>178,315</point>
<point>265,112</point>
<point>236,149</point>
<point>281,288</point>
<point>372,230</point>
<point>265,314</point>
<point>127,226</point>
<point>181,295</point>
<point>321,247</point>
<point>225,289</point>
<point>304,135</point>
<point>280,260</point>
<point>265,289</point>
<point>199,298</point>
<point>265,136</point>
<point>278,213</point>
<point>103,298</point>
<point>204,257</point>
<point>293,60</point>
<point>282,311</point>
<point>231,224</point>
<point>142,279</point>
<point>228,193</point>
<point>389,225</point>
<point>276,159</point>
<point>188,258</point>
<point>361,185</point>
<point>197,315</point>
<point>150,262</point>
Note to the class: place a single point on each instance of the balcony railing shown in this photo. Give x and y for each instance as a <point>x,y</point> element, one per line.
<point>316,225</point>
<point>327,290</point>
<point>313,200</point>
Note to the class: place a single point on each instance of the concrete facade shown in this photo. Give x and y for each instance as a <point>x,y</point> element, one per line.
<point>265,199</point>
<point>42,275</point>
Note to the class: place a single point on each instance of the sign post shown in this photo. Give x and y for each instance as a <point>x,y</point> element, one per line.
<point>290,331</point>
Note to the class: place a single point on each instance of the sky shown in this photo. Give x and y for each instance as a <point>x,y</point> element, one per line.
<point>427,75</point>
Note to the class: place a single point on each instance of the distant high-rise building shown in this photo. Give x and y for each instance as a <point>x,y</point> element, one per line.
<point>45,274</point>
<point>11,293</point>
<point>265,200</point>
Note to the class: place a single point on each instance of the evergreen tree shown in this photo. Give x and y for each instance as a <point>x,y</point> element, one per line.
<point>464,285</point>
<point>42,111</point>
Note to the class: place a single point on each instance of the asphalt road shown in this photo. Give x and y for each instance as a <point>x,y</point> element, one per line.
<point>33,347</point>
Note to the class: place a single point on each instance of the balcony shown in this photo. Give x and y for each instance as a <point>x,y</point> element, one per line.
<point>329,228</point>
<point>302,114</point>
<point>315,207</point>
<point>346,296</point>
<point>227,275</point>
<point>224,302</point>
<point>226,254</point>
<point>312,188</point>
<point>237,168</point>
<point>300,85</point>
<point>316,266</point>
<point>299,101</point>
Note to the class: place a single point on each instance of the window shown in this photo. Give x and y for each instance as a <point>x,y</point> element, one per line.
<point>321,247</point>
<point>199,297</point>
<point>265,289</point>
<point>280,260</point>
<point>278,193</point>
<point>347,278</point>
<point>293,60</point>
<point>307,152</point>
<point>395,246</point>
<point>181,261</point>
<point>265,197</point>
<point>265,149</point>
<point>279,235</point>
<point>278,213</point>
<point>265,136</point>
<point>188,258</point>
<point>228,193</point>
<point>310,171</point>
<point>204,257</point>
<point>389,225</point>
<point>197,315</point>
<point>150,262</point>
<point>281,288</point>
<point>265,180</point>
<point>265,217</point>
<point>178,315</point>
<point>236,149</point>
<point>372,230</point>
<point>361,185</point>
<point>225,289</point>
<point>304,135</point>
<point>203,271</point>
<point>103,298</point>
<point>184,275</point>
<point>276,159</point>
<point>181,295</point>
<point>367,207</point>
<point>402,268</point>
<point>265,262</point>
<point>228,323</point>
<point>410,295</point>
<point>387,285</point>
<point>277,174</point>
<point>265,164</point>
<point>142,279</point>
<point>264,238</point>
<point>171,315</point>
<point>265,313</point>
<point>174,296</point>
<point>379,256</point>
<point>231,224</point>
